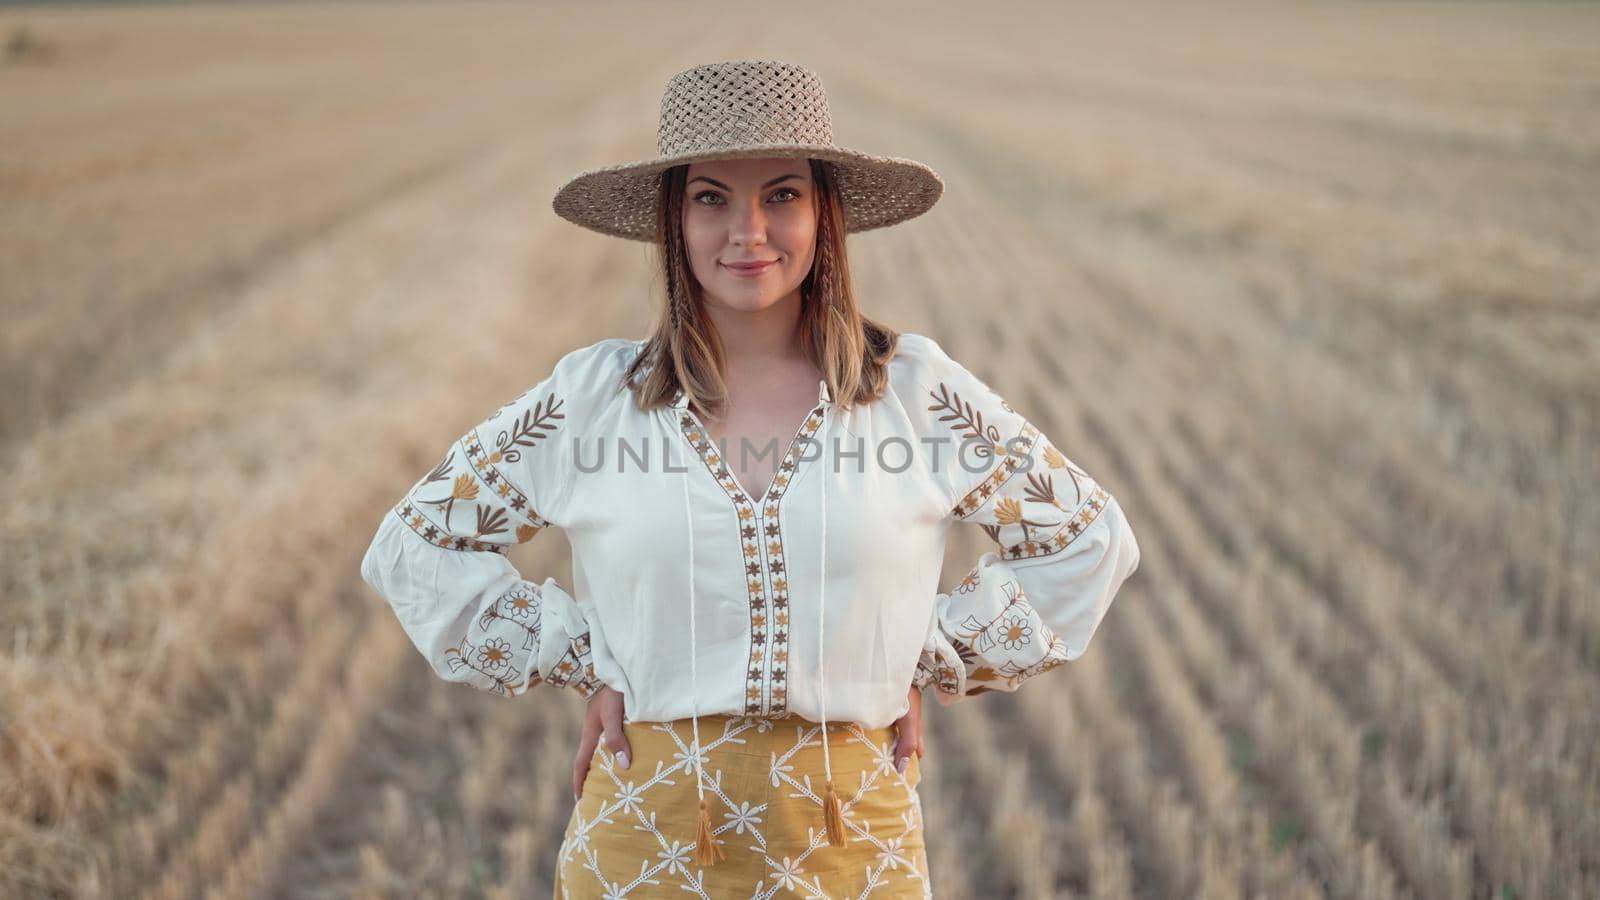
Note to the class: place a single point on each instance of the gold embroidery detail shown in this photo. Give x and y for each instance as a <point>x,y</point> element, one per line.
<point>766,673</point>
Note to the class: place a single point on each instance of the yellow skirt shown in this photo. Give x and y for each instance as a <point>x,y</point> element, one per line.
<point>633,832</point>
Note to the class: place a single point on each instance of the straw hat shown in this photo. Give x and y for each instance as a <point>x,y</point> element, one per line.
<point>746,108</point>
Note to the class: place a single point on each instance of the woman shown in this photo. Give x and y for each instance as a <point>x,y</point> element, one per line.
<point>757,498</point>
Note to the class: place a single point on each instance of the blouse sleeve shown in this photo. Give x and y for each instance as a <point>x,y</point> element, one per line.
<point>1063,546</point>
<point>439,555</point>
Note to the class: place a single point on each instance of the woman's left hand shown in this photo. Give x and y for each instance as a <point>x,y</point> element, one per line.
<point>908,733</point>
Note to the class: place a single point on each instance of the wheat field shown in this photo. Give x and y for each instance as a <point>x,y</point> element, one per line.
<point>1312,288</point>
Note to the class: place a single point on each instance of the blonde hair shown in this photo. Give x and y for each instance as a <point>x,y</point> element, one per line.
<point>684,350</point>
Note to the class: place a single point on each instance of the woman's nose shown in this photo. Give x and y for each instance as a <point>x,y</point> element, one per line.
<point>748,225</point>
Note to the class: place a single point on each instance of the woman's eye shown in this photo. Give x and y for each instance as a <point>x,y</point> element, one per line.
<point>716,198</point>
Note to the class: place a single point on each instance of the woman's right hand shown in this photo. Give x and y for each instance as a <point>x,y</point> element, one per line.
<point>603,719</point>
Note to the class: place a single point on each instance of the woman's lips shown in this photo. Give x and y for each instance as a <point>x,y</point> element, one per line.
<point>749,271</point>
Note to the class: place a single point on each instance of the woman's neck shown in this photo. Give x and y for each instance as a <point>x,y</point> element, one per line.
<point>754,340</point>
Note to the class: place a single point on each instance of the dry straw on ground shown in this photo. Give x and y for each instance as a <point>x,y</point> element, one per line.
<point>1313,291</point>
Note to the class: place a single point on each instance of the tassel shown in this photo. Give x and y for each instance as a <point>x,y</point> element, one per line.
<point>832,818</point>
<point>706,851</point>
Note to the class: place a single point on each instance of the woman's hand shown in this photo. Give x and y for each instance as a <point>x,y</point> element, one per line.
<point>602,719</point>
<point>908,733</point>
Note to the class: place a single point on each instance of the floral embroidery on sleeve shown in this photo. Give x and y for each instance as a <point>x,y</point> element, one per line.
<point>995,651</point>
<point>1035,504</point>
<point>472,504</point>
<point>499,652</point>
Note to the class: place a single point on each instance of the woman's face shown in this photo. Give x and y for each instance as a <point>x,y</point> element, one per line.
<point>750,211</point>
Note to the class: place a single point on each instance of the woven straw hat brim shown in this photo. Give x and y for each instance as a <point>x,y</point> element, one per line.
<point>875,191</point>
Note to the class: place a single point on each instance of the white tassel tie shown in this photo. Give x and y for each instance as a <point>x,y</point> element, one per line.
<point>832,815</point>
<point>706,851</point>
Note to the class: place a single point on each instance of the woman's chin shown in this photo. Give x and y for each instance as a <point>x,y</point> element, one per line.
<point>747,298</point>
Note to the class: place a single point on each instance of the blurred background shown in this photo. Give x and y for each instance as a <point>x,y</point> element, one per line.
<point>1312,288</point>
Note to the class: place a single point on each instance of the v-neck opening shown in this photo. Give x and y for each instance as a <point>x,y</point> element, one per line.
<point>762,549</point>
<point>790,459</point>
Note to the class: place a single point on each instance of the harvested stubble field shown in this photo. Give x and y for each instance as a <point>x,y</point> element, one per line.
<point>1313,289</point>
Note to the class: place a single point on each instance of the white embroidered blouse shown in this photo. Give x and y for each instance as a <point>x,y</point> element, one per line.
<point>817,598</point>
